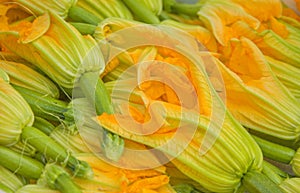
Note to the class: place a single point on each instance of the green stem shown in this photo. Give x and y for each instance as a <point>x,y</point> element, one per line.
<point>65,185</point>
<point>164,16</point>
<point>167,4</point>
<point>98,94</point>
<point>256,182</point>
<point>78,14</point>
<point>274,151</point>
<point>59,179</point>
<point>43,125</point>
<point>112,144</point>
<point>44,106</point>
<point>273,173</point>
<point>84,28</point>
<point>21,164</point>
<point>141,12</point>
<point>187,9</point>
<point>55,152</point>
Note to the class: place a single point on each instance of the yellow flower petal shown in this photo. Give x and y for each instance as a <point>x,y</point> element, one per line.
<point>148,183</point>
<point>262,9</point>
<point>290,13</point>
<point>59,52</point>
<point>250,90</point>
<point>39,27</point>
<point>200,33</point>
<point>218,15</point>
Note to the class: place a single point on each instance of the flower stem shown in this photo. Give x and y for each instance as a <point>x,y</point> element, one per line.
<point>142,12</point>
<point>44,106</point>
<point>55,152</point>
<point>57,178</point>
<point>84,28</point>
<point>43,125</point>
<point>275,151</point>
<point>187,9</point>
<point>21,164</point>
<point>78,14</point>
<point>256,182</point>
<point>112,144</point>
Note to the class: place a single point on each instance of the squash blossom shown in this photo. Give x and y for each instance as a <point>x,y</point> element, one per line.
<point>250,89</point>
<point>287,74</point>
<point>24,76</point>
<point>217,16</point>
<point>61,52</point>
<point>15,114</point>
<point>9,179</point>
<point>272,37</point>
<point>224,165</point>
<point>288,12</point>
<point>105,9</point>
<point>263,10</point>
<point>290,185</point>
<point>293,36</point>
<point>55,47</point>
<point>278,48</point>
<point>61,8</point>
<point>110,25</point>
<point>156,6</point>
<point>296,162</point>
<point>114,179</point>
<point>200,33</point>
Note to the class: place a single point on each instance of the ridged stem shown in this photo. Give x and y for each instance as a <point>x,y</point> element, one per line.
<point>44,106</point>
<point>59,179</point>
<point>256,182</point>
<point>78,14</point>
<point>275,151</point>
<point>141,11</point>
<point>55,152</point>
<point>112,144</point>
<point>187,9</point>
<point>84,28</point>
<point>43,125</point>
<point>21,164</point>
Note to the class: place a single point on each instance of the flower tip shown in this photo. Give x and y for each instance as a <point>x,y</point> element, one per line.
<point>39,27</point>
<point>4,76</point>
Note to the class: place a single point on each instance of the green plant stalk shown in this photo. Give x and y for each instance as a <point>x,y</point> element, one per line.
<point>141,12</point>
<point>164,16</point>
<point>57,110</point>
<point>187,9</point>
<point>167,5</point>
<point>55,152</point>
<point>57,178</point>
<point>78,14</point>
<point>84,28</point>
<point>98,95</point>
<point>274,151</point>
<point>44,106</point>
<point>21,164</point>
<point>43,125</point>
<point>256,182</point>
<point>112,144</point>
<point>273,173</point>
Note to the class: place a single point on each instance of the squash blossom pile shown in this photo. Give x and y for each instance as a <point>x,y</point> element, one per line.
<point>150,96</point>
